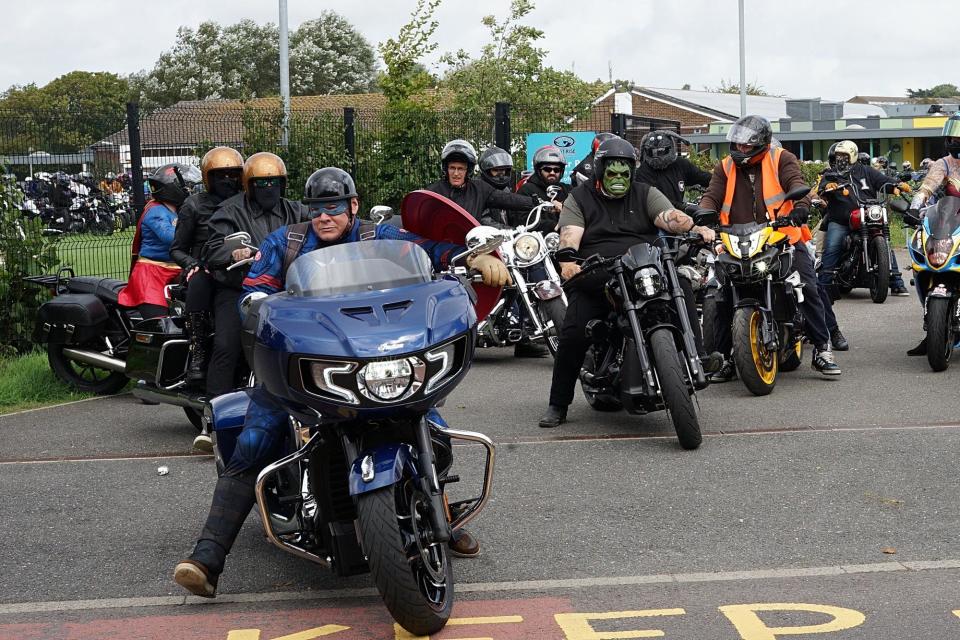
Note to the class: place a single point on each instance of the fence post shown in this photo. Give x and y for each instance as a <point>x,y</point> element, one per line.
<point>501,126</point>
<point>136,157</point>
<point>350,138</point>
<point>618,124</point>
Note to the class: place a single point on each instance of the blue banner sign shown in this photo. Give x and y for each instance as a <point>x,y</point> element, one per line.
<point>574,144</point>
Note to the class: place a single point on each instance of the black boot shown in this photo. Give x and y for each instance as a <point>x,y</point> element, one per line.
<point>838,341</point>
<point>199,326</point>
<point>554,417</point>
<point>919,350</point>
<point>232,500</point>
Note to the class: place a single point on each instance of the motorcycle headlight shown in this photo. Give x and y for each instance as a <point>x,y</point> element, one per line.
<point>875,213</point>
<point>526,246</point>
<point>386,380</point>
<point>938,251</point>
<point>648,282</point>
<point>761,266</point>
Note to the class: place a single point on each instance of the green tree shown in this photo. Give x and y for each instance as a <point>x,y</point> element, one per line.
<point>727,86</point>
<point>321,64</point>
<point>511,69</point>
<point>405,74</point>
<point>65,115</point>
<point>241,61</point>
<point>939,91</point>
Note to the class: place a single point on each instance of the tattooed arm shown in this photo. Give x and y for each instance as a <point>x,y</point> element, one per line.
<point>674,221</point>
<point>570,237</point>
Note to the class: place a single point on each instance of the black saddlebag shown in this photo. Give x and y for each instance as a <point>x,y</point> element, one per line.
<point>70,318</point>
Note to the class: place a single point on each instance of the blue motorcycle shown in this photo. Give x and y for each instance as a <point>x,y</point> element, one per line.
<point>359,349</point>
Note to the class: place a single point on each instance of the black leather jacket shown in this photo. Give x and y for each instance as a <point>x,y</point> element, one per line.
<point>476,196</point>
<point>192,231</point>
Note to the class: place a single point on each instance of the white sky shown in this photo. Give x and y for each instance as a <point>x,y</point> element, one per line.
<point>833,49</point>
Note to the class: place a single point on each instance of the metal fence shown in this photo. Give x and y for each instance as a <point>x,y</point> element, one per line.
<point>389,152</point>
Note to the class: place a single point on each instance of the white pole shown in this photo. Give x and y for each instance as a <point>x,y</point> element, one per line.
<point>743,68</point>
<point>284,70</point>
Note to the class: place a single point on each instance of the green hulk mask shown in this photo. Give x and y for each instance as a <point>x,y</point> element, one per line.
<point>616,178</point>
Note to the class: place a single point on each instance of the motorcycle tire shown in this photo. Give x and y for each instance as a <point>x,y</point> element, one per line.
<point>675,390</point>
<point>708,315</point>
<point>791,359</point>
<point>102,228</point>
<point>119,222</point>
<point>756,365</point>
<point>552,311</point>
<point>597,401</point>
<point>940,338</point>
<point>880,277</point>
<point>415,580</point>
<point>83,377</point>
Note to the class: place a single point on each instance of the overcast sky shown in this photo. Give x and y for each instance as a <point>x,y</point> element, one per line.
<point>833,49</point>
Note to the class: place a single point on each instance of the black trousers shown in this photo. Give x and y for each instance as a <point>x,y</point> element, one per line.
<point>200,292</point>
<point>815,315</point>
<point>582,307</point>
<point>226,341</point>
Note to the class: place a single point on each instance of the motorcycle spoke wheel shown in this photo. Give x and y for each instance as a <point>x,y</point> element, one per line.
<point>81,376</point>
<point>880,276</point>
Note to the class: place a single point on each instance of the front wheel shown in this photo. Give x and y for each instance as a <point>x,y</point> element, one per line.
<point>552,311</point>
<point>412,574</point>
<point>81,376</point>
<point>880,276</point>
<point>675,390</point>
<point>756,364</point>
<point>940,336</point>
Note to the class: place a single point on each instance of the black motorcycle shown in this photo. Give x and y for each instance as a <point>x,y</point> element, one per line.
<point>95,345</point>
<point>643,356</point>
<point>865,261</point>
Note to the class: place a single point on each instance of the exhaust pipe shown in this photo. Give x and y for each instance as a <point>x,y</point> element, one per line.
<point>96,359</point>
<point>174,397</point>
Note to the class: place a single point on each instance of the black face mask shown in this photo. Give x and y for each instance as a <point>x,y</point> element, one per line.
<point>842,163</point>
<point>267,197</point>
<point>224,185</point>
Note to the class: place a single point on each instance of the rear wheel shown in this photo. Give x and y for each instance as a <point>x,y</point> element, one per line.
<point>412,574</point>
<point>880,276</point>
<point>756,365</point>
<point>940,337</point>
<point>103,227</point>
<point>81,376</point>
<point>675,390</point>
<point>708,315</point>
<point>553,311</point>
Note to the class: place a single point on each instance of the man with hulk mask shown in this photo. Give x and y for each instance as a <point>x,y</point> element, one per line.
<point>607,216</point>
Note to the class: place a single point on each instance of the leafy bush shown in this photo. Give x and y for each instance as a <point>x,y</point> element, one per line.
<point>24,251</point>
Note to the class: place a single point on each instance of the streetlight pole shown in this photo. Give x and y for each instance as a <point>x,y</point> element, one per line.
<point>743,68</point>
<point>284,71</point>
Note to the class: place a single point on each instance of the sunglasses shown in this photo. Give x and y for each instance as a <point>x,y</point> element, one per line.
<point>551,169</point>
<point>264,183</point>
<point>336,208</point>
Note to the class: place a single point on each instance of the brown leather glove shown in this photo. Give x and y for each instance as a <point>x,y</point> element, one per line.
<point>491,269</point>
<point>906,188</point>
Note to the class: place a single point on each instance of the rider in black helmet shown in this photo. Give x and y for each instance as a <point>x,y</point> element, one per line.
<point>662,167</point>
<point>583,172</point>
<point>458,160</point>
<point>496,169</point>
<point>546,183</point>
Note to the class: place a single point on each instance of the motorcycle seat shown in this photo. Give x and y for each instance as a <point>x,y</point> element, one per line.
<point>106,289</point>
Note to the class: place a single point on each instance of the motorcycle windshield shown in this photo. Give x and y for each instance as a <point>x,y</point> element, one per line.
<point>943,219</point>
<point>357,267</point>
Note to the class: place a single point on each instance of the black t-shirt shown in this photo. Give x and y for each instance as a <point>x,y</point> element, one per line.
<point>613,225</point>
<point>673,180</point>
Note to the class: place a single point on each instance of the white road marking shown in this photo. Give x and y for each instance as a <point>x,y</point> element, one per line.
<point>486,587</point>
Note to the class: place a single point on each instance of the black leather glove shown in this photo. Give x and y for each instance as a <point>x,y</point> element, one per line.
<point>799,216</point>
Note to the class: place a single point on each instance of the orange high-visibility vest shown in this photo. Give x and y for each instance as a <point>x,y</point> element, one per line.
<point>773,194</point>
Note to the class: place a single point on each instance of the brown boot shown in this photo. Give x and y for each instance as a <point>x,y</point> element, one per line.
<point>464,545</point>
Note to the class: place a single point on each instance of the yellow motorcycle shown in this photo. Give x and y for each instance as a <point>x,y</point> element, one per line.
<point>757,267</point>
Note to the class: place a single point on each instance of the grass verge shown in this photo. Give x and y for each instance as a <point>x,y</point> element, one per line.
<point>26,382</point>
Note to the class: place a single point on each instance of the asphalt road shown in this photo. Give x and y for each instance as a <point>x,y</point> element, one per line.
<point>828,508</point>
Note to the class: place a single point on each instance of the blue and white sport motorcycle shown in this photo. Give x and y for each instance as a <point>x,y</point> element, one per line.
<point>360,348</point>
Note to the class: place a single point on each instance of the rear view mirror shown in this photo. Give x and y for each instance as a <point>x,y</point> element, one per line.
<point>381,213</point>
<point>236,241</point>
<point>705,217</point>
<point>797,193</point>
<point>898,205</point>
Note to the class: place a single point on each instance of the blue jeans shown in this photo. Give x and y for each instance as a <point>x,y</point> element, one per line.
<point>833,251</point>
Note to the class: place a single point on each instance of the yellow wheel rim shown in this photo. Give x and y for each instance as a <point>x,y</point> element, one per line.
<point>763,360</point>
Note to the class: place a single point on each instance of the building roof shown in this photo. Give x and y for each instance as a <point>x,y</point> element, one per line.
<point>726,106</point>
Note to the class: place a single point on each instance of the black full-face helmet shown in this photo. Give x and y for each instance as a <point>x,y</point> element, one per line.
<point>754,131</point>
<point>600,138</point>
<point>658,149</point>
<point>495,159</point>
<point>174,182</point>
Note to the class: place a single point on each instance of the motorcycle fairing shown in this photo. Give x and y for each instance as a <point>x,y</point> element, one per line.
<point>433,216</point>
<point>227,414</point>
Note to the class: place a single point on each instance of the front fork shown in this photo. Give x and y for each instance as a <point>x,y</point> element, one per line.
<point>640,344</point>
<point>429,482</point>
